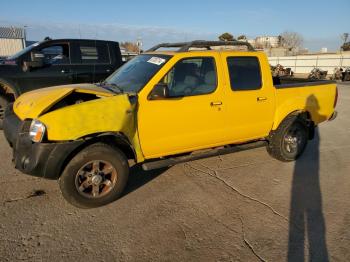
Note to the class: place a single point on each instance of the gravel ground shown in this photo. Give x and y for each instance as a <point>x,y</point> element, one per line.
<point>239,207</point>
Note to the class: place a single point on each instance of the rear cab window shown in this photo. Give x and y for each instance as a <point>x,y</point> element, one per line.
<point>94,54</point>
<point>244,73</point>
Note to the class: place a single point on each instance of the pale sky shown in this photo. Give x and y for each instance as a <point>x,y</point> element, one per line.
<point>320,22</point>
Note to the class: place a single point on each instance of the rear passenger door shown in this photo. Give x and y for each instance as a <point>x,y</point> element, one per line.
<point>93,62</point>
<point>104,63</point>
<point>250,98</point>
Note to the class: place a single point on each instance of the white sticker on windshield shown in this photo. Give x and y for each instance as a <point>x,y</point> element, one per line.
<point>156,60</point>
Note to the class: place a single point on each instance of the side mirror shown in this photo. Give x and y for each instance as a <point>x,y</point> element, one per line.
<point>160,91</point>
<point>37,60</point>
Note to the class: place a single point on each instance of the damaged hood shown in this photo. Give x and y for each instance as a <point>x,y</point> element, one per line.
<point>35,103</point>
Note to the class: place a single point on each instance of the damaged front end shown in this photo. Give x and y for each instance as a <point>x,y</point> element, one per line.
<point>36,159</point>
<point>45,126</point>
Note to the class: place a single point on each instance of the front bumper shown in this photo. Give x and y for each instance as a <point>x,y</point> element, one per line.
<point>37,159</point>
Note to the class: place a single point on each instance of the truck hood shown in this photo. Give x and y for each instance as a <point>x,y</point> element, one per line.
<point>36,103</point>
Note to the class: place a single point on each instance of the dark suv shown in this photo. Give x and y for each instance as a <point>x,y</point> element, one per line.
<point>56,62</point>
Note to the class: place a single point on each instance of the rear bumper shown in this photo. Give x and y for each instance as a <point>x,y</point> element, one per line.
<point>37,159</point>
<point>333,116</point>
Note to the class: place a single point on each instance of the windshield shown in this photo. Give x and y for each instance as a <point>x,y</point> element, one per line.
<point>23,51</point>
<point>135,74</point>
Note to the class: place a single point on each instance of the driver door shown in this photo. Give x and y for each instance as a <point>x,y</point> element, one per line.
<point>192,117</point>
<point>55,71</point>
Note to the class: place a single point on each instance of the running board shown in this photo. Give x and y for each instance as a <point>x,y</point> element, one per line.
<point>156,164</point>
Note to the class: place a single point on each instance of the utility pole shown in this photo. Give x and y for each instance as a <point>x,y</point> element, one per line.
<point>25,36</point>
<point>139,44</point>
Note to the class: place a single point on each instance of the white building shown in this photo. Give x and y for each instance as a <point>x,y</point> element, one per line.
<point>324,50</point>
<point>12,40</point>
<point>267,41</point>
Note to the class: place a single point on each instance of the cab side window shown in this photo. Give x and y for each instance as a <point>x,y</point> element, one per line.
<point>56,54</point>
<point>244,73</point>
<point>192,76</point>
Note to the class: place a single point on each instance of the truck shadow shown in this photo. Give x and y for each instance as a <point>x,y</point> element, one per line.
<point>138,178</point>
<point>306,219</point>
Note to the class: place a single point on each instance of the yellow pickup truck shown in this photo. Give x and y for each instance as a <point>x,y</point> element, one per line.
<point>174,103</point>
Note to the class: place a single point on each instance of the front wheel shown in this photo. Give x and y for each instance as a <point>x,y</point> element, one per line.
<point>289,140</point>
<point>95,177</point>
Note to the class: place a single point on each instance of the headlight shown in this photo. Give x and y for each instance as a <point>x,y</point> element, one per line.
<point>37,131</point>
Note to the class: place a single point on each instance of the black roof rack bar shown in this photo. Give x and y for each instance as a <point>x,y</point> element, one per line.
<point>185,46</point>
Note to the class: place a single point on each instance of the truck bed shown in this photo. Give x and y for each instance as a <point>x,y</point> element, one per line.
<point>315,97</point>
<point>285,82</point>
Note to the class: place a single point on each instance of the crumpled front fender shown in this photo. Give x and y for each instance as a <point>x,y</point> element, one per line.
<point>109,114</point>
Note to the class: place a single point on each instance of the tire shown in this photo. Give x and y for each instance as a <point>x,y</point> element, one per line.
<point>3,105</point>
<point>288,142</point>
<point>84,181</point>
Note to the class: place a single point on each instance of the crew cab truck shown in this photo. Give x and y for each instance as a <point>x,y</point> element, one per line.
<point>159,109</point>
<point>56,62</point>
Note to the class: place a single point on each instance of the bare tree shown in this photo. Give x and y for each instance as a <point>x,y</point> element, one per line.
<point>291,40</point>
<point>130,46</point>
<point>344,37</point>
<point>279,40</point>
<point>226,37</point>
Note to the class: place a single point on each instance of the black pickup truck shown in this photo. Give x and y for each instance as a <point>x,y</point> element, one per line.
<point>56,62</point>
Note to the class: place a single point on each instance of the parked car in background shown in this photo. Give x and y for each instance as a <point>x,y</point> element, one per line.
<point>160,109</point>
<point>56,62</point>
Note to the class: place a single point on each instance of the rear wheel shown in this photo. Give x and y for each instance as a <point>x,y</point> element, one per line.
<point>289,140</point>
<point>3,105</point>
<point>95,177</point>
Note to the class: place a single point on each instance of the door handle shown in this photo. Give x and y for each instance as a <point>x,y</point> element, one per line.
<point>65,71</point>
<point>216,103</point>
<point>259,99</point>
<point>108,70</point>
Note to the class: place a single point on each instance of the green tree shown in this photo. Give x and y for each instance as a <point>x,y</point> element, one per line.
<point>346,46</point>
<point>226,37</point>
<point>242,38</point>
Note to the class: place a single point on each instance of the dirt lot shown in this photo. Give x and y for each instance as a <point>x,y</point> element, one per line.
<point>238,207</point>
